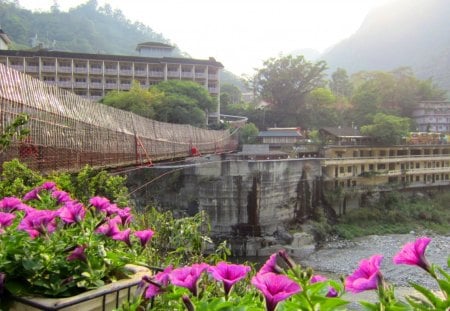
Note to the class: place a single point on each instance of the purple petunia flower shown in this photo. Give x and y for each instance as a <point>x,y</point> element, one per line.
<point>319,278</point>
<point>61,196</point>
<point>270,265</point>
<point>38,222</point>
<point>6,219</point>
<point>110,227</point>
<point>413,254</point>
<point>144,236</point>
<point>78,254</point>
<point>156,283</point>
<point>100,203</point>
<point>188,276</point>
<point>123,236</point>
<point>125,215</point>
<point>228,274</point>
<point>11,204</point>
<point>275,288</point>
<point>366,276</point>
<point>72,212</point>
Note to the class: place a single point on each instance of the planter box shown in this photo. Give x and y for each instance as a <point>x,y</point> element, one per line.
<point>108,297</point>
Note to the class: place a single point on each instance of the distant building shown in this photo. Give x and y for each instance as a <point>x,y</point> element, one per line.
<point>258,152</point>
<point>279,137</point>
<point>432,116</point>
<point>343,136</point>
<point>4,40</point>
<point>94,75</point>
<point>154,49</point>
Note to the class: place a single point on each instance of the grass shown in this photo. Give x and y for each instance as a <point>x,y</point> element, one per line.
<point>397,213</point>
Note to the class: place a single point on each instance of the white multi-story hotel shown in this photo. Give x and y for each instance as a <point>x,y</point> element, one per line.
<point>93,75</point>
<point>432,116</point>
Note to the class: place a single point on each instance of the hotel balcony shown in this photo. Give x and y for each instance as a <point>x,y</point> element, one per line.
<point>96,85</point>
<point>126,72</point>
<point>110,86</point>
<point>96,71</point>
<point>140,73</point>
<point>214,90</point>
<point>80,70</point>
<point>376,160</point>
<point>200,75</point>
<point>65,84</point>
<point>156,74</point>
<point>187,74</point>
<point>65,69</point>
<point>213,77</point>
<point>80,84</point>
<point>125,86</point>
<point>31,68</point>
<point>48,68</point>
<point>173,74</point>
<point>17,67</point>
<point>111,71</point>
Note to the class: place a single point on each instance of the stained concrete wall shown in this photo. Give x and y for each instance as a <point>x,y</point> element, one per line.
<point>251,197</point>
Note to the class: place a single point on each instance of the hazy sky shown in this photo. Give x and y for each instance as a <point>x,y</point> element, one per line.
<point>240,33</point>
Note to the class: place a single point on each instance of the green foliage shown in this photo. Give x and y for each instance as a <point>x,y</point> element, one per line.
<point>320,106</point>
<point>285,82</point>
<point>248,134</point>
<point>14,130</point>
<point>136,100</point>
<point>176,108</point>
<point>229,94</point>
<point>396,213</point>
<point>102,28</point>
<point>17,179</point>
<point>89,182</point>
<point>387,129</point>
<point>177,241</point>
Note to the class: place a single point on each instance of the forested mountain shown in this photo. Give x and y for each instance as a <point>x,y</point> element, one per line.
<point>86,28</point>
<point>402,33</point>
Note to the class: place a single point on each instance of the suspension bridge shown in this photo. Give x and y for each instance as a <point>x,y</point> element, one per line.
<point>68,132</point>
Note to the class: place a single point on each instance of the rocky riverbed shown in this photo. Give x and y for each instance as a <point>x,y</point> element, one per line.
<point>341,258</point>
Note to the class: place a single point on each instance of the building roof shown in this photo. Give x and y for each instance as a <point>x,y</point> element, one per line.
<point>153,44</point>
<point>280,133</point>
<point>348,132</point>
<point>62,54</point>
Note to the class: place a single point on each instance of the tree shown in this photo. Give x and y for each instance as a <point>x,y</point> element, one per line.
<point>286,81</point>
<point>340,83</point>
<point>387,129</point>
<point>177,108</point>
<point>248,134</point>
<point>136,100</point>
<point>190,89</point>
<point>230,94</point>
<point>320,108</point>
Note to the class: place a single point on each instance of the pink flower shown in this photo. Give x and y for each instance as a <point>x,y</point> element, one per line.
<point>6,219</point>
<point>61,196</point>
<point>125,215</point>
<point>109,228</point>
<point>188,276</point>
<point>144,236</point>
<point>319,278</point>
<point>10,204</point>
<point>32,195</point>
<point>72,212</point>
<point>413,254</point>
<point>48,185</point>
<point>366,277</point>
<point>229,274</point>
<point>270,265</point>
<point>78,254</point>
<point>38,222</point>
<point>123,236</point>
<point>275,288</point>
<point>156,283</point>
<point>100,203</point>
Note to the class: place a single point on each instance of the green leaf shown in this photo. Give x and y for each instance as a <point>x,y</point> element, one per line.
<point>427,293</point>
